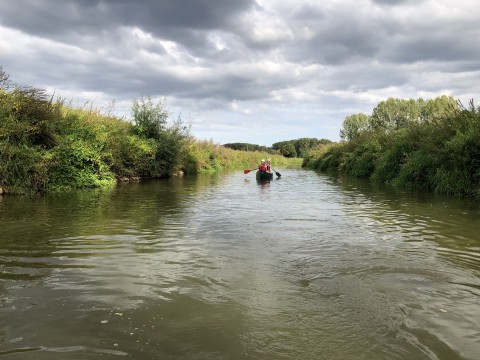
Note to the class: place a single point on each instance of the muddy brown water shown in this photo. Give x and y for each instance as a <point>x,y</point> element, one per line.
<point>221,267</point>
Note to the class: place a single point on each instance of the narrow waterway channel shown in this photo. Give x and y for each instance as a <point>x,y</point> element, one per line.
<point>222,267</point>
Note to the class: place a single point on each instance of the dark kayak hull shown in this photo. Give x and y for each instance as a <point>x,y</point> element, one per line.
<point>261,175</point>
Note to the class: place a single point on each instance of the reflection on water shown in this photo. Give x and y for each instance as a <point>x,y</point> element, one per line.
<point>305,266</point>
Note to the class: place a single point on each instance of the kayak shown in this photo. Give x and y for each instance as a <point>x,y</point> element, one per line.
<point>264,175</point>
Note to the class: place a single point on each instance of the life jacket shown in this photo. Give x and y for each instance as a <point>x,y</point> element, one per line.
<point>262,167</point>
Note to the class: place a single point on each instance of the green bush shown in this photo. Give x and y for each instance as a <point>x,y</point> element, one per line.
<point>333,159</point>
<point>312,156</point>
<point>361,163</point>
<point>150,118</point>
<point>78,164</point>
<point>131,156</point>
<point>27,116</point>
<point>440,153</point>
<point>23,169</point>
<point>396,149</point>
<point>417,171</point>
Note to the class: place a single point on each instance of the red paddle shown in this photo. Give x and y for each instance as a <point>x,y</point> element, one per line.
<point>247,171</point>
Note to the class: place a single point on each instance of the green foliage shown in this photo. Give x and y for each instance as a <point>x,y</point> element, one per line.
<point>301,147</point>
<point>27,116</point>
<point>417,171</point>
<point>131,156</point>
<point>205,156</point>
<point>169,148</point>
<point>354,125</point>
<point>361,162</point>
<point>248,147</point>
<point>78,164</point>
<point>435,146</point>
<point>47,145</point>
<point>333,159</point>
<point>150,118</point>
<point>459,170</point>
<point>396,148</point>
<point>396,114</point>
<point>151,122</point>
<point>313,155</point>
<point>288,150</point>
<point>22,168</point>
<point>4,79</point>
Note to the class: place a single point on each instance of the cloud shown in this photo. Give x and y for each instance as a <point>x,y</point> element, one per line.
<point>281,68</point>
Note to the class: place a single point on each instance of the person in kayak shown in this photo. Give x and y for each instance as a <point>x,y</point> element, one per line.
<point>262,167</point>
<point>269,168</point>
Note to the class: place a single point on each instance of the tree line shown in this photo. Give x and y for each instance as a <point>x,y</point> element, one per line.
<point>297,148</point>
<point>395,114</point>
<point>422,144</point>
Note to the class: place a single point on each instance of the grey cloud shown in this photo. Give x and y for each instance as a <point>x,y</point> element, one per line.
<point>433,46</point>
<point>337,38</point>
<point>173,19</point>
<point>325,58</point>
<point>365,77</point>
<point>395,2</point>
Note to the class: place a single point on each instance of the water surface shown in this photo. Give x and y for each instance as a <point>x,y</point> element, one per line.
<point>222,267</point>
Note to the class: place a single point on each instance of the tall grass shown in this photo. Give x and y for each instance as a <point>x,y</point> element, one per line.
<point>46,145</point>
<point>206,156</point>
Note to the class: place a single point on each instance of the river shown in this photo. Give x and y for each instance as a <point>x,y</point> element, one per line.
<point>307,266</point>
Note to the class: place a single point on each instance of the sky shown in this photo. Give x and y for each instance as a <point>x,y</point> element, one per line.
<point>255,71</point>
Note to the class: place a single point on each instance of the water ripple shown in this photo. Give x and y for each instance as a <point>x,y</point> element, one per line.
<point>306,266</point>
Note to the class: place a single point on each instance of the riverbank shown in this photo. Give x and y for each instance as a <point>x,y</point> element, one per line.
<point>440,153</point>
<point>47,145</point>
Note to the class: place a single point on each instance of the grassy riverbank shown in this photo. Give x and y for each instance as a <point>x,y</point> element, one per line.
<point>46,145</point>
<point>437,152</point>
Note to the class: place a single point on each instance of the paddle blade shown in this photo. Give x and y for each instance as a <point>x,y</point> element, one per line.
<point>277,173</point>
<point>246,171</point>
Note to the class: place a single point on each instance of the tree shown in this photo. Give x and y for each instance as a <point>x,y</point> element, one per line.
<point>247,147</point>
<point>304,145</point>
<point>393,114</point>
<point>151,122</point>
<point>437,108</point>
<point>301,146</point>
<point>354,125</point>
<point>288,150</point>
<point>4,80</point>
<point>150,118</point>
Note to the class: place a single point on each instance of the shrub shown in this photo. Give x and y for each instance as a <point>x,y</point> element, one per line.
<point>150,118</point>
<point>361,162</point>
<point>78,164</point>
<point>397,147</point>
<point>333,159</point>
<point>418,171</point>
<point>27,116</point>
<point>23,169</point>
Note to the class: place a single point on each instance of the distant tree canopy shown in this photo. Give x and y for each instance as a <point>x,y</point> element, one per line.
<point>247,147</point>
<point>299,147</point>
<point>289,148</point>
<point>394,114</point>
